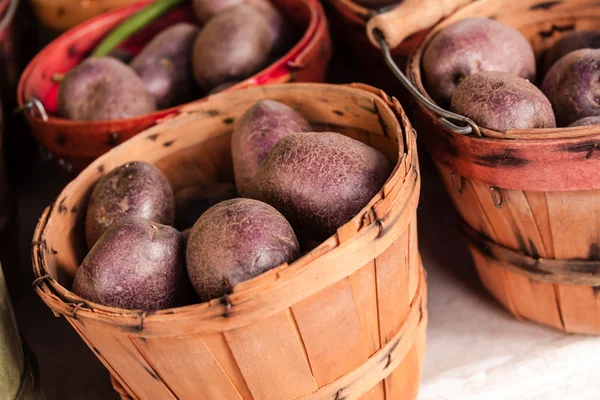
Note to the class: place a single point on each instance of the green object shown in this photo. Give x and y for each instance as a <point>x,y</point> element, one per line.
<point>133,24</point>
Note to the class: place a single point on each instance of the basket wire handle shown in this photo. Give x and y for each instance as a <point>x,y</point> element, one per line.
<point>446,117</point>
<point>31,104</point>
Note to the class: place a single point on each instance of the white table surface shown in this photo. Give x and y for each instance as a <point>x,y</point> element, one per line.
<point>476,349</point>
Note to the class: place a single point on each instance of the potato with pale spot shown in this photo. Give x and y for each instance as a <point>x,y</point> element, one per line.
<point>103,89</point>
<point>136,189</point>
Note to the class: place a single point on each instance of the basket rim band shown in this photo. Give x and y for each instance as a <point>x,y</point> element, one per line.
<point>549,270</point>
<point>379,366</point>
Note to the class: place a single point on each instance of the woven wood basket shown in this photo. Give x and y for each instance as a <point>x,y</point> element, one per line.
<point>528,198</point>
<point>74,144</point>
<point>61,15</point>
<point>345,321</point>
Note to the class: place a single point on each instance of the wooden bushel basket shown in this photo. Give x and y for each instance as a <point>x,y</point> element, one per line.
<point>76,143</point>
<point>345,321</point>
<point>528,198</point>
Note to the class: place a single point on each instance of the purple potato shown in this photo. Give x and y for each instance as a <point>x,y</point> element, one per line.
<point>570,42</point>
<point>258,130</point>
<point>165,65</point>
<point>595,120</point>
<point>232,46</point>
<point>136,189</point>
<point>102,89</point>
<point>279,30</point>
<point>470,46</point>
<point>502,102</point>
<point>136,265</point>
<point>234,241</point>
<point>320,181</point>
<point>573,86</point>
<point>192,201</point>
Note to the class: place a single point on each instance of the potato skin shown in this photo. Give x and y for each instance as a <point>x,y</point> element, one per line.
<point>257,131</point>
<point>136,189</point>
<point>232,46</point>
<point>165,65</point>
<point>279,33</point>
<point>136,265</point>
<point>470,46</point>
<point>501,102</point>
<point>234,241</point>
<point>594,120</point>
<point>573,86</point>
<point>192,201</point>
<point>572,41</point>
<point>102,89</point>
<point>319,181</point>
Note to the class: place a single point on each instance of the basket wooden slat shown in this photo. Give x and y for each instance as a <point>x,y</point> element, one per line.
<point>347,320</point>
<point>528,198</point>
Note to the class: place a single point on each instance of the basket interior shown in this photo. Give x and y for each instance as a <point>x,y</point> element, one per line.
<point>72,47</point>
<point>194,148</point>
<point>542,23</point>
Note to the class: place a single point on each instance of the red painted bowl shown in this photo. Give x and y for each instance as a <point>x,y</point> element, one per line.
<point>74,144</point>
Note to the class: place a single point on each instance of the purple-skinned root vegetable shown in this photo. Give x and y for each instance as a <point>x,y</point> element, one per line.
<point>136,265</point>
<point>103,89</point>
<point>320,181</point>
<point>232,46</point>
<point>470,46</point>
<point>573,86</point>
<point>595,120</point>
<point>502,102</point>
<point>575,40</point>
<point>279,31</point>
<point>136,189</point>
<point>165,65</point>
<point>257,131</point>
<point>234,241</point>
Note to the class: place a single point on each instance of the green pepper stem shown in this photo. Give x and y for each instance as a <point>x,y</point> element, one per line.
<point>133,24</point>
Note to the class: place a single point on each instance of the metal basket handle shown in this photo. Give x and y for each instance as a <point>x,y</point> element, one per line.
<point>446,117</point>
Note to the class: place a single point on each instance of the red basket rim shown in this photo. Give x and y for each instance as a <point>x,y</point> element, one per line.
<point>279,68</point>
